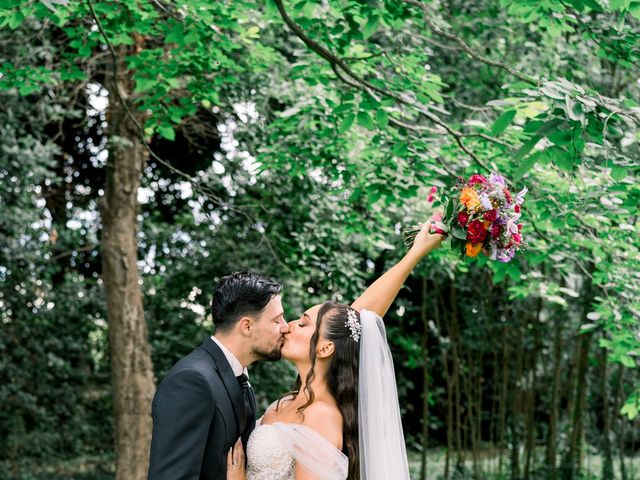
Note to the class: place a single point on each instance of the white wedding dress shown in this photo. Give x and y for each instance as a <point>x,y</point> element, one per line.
<point>274,449</point>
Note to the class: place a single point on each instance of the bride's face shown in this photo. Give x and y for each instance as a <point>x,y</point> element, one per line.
<point>298,340</point>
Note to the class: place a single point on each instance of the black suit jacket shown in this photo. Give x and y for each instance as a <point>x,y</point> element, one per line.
<point>197,413</point>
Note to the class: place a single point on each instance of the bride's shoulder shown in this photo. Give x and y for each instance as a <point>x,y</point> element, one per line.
<point>325,418</point>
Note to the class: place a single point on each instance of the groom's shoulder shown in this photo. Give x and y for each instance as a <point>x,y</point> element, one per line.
<point>198,361</point>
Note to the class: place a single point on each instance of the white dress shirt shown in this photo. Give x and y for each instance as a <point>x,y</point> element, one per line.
<point>236,366</point>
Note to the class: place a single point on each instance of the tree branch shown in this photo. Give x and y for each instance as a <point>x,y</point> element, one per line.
<point>466,48</point>
<point>364,85</point>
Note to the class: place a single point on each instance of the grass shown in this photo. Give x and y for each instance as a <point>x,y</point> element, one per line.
<point>91,467</point>
<point>101,467</point>
<point>488,466</point>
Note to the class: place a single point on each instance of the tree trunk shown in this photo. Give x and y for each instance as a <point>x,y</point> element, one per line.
<point>516,407</point>
<point>572,462</point>
<point>502,414</point>
<point>621,421</point>
<point>607,460</point>
<point>469,381</point>
<point>132,372</point>
<point>551,452</point>
<point>453,335</point>
<point>530,422</point>
<point>531,403</point>
<point>425,379</point>
<point>449,382</point>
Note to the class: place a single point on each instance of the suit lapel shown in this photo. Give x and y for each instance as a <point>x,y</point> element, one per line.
<point>230,382</point>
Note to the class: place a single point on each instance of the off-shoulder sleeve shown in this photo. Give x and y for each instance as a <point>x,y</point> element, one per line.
<point>313,452</point>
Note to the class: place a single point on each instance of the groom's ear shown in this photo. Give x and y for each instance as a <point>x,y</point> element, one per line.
<point>326,350</point>
<point>246,325</point>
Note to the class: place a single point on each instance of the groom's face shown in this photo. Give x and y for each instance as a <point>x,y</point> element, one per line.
<point>269,329</point>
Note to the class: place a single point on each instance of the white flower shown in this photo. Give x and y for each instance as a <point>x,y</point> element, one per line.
<point>520,196</point>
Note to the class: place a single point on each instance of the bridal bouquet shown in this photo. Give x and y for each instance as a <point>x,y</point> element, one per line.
<point>482,215</point>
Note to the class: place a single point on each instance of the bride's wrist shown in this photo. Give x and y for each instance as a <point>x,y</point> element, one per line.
<point>417,253</point>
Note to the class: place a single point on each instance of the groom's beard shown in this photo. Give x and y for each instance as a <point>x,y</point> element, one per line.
<point>269,355</point>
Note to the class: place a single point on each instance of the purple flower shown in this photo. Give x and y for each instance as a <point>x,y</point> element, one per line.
<point>484,199</point>
<point>497,178</point>
<point>505,256</point>
<point>493,251</point>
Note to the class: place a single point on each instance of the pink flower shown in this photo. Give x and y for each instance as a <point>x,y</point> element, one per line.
<point>463,218</point>
<point>517,238</point>
<point>476,178</point>
<point>517,208</point>
<point>507,194</point>
<point>432,194</point>
<point>436,217</point>
<point>491,215</point>
<point>519,226</point>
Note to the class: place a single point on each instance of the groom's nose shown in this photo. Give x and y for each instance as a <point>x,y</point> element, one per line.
<point>284,327</point>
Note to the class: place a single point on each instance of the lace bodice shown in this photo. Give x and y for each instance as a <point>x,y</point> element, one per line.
<point>268,455</point>
<point>274,450</point>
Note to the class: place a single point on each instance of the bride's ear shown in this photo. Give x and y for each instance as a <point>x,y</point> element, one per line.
<point>325,350</point>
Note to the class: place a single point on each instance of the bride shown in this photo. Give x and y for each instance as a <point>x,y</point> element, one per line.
<point>343,418</point>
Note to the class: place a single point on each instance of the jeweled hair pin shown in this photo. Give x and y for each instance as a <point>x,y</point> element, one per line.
<point>354,324</point>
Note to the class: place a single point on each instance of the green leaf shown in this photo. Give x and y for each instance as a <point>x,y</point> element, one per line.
<point>167,132</point>
<point>618,4</point>
<point>448,211</point>
<point>400,149</point>
<point>547,127</point>
<point>365,120</point>
<point>459,232</point>
<point>526,148</point>
<point>618,173</point>
<point>382,118</point>
<point>144,84</point>
<point>526,165</point>
<point>370,27</point>
<point>175,35</point>
<point>561,158</point>
<point>15,20</point>
<point>634,9</point>
<point>630,410</point>
<point>346,122</point>
<point>502,122</point>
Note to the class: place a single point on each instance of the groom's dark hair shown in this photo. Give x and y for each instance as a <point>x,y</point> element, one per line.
<point>241,294</point>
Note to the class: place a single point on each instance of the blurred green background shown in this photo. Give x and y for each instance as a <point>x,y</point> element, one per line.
<point>296,139</point>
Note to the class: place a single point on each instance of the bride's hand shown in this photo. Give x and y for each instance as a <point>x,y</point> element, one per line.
<point>425,241</point>
<point>236,462</point>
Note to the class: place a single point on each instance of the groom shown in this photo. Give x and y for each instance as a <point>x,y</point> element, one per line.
<point>205,402</point>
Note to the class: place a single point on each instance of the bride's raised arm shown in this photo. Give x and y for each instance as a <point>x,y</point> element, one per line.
<point>381,293</point>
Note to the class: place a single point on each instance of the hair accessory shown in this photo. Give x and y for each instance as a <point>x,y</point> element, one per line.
<point>354,324</point>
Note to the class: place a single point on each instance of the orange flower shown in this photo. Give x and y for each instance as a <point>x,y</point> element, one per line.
<point>469,198</point>
<point>473,249</point>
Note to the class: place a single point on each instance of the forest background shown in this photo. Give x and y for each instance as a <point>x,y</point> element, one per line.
<point>149,147</point>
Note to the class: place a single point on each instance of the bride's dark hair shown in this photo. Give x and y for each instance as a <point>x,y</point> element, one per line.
<point>342,376</point>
